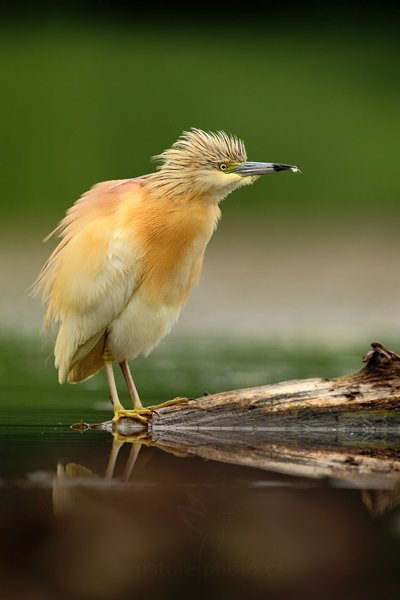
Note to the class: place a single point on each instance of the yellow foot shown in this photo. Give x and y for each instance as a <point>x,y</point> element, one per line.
<point>137,414</point>
<point>168,403</point>
<point>142,414</point>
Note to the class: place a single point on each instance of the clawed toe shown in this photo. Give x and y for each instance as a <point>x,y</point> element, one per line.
<point>177,400</point>
<point>142,415</point>
<point>137,414</point>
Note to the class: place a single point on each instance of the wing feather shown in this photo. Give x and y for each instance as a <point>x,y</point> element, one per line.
<point>91,275</point>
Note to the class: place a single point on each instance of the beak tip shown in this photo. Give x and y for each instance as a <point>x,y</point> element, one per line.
<point>280,167</point>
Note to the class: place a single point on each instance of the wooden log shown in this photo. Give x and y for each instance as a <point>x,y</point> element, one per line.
<point>366,401</point>
<point>346,428</point>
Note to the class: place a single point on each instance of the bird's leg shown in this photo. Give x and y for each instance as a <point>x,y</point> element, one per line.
<point>111,384</point>
<point>131,384</point>
<point>138,412</point>
<point>119,410</point>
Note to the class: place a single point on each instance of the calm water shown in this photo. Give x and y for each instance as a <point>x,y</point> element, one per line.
<point>89,515</point>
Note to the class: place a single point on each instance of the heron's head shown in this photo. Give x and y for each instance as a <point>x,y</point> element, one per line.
<point>210,164</point>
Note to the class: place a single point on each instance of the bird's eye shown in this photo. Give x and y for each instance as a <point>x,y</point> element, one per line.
<point>223,167</point>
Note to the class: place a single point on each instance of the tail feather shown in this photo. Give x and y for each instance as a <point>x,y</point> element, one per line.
<point>88,365</point>
<point>77,361</point>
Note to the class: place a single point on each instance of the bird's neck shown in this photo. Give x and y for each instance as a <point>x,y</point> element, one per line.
<point>180,188</point>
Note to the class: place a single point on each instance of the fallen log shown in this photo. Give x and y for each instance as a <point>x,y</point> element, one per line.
<point>365,402</point>
<point>346,428</point>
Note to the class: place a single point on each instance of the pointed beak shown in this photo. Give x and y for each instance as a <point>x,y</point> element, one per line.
<point>259,168</point>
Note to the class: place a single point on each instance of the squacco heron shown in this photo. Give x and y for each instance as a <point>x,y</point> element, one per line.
<point>131,251</point>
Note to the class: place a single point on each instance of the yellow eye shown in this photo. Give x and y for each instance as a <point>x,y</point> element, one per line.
<point>223,167</point>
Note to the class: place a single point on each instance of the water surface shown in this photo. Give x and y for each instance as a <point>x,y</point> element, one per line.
<point>99,516</point>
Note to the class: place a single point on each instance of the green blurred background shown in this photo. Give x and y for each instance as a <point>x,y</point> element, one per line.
<point>91,95</point>
<point>86,102</point>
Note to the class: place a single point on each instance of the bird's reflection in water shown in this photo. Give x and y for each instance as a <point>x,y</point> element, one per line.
<point>118,442</point>
<point>160,526</point>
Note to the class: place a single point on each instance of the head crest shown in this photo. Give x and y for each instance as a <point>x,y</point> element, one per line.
<point>197,148</point>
